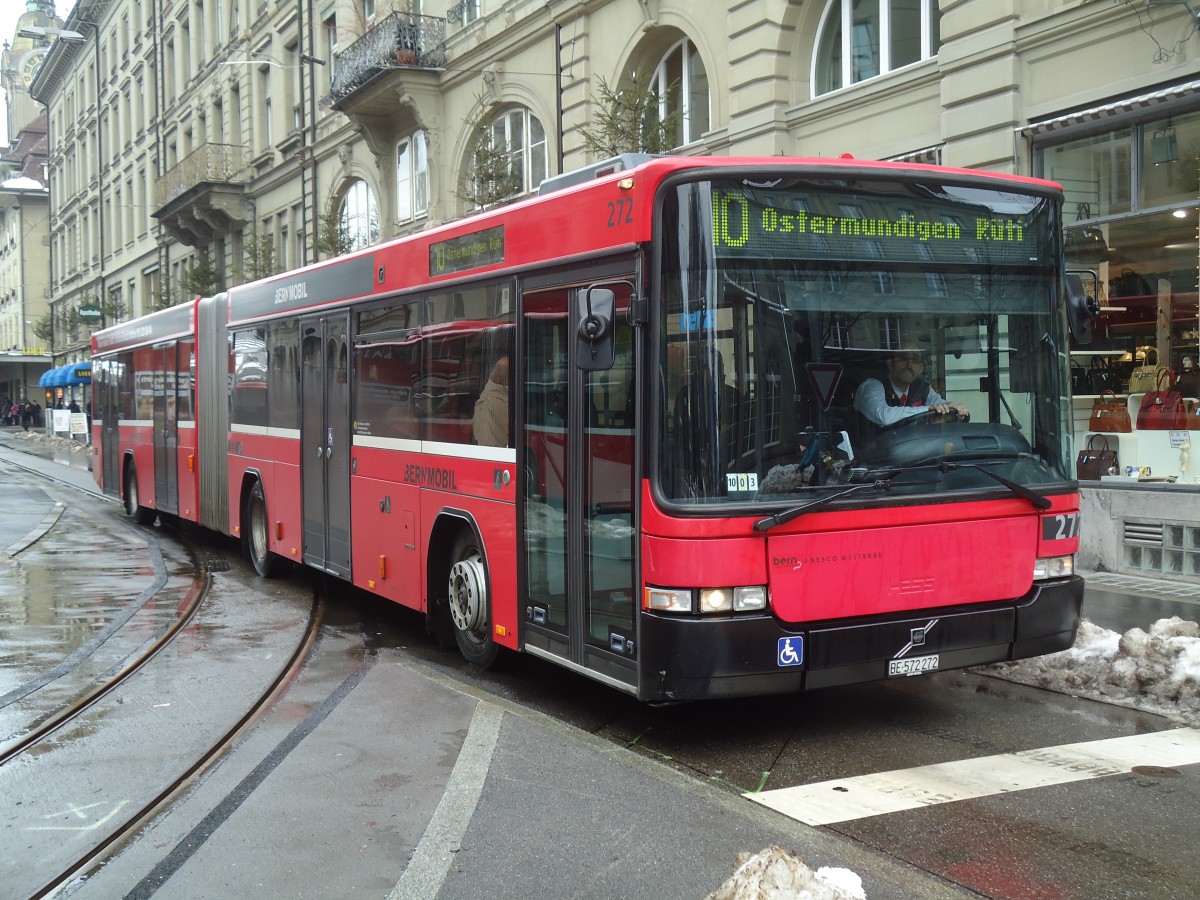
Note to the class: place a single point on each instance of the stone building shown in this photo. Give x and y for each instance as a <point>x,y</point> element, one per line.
<point>198,143</point>
<point>24,210</point>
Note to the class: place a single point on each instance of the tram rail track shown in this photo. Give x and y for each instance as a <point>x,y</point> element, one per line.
<point>146,811</point>
<point>185,597</point>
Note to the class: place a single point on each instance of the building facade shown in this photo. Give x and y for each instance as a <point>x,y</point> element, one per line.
<point>198,143</point>
<point>24,211</point>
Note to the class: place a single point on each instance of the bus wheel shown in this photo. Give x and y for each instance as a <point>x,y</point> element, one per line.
<point>141,515</point>
<point>469,604</point>
<point>256,534</point>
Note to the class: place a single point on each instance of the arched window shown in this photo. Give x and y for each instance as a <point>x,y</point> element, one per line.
<point>681,85</point>
<point>510,158</point>
<point>358,217</point>
<point>412,177</point>
<point>859,39</point>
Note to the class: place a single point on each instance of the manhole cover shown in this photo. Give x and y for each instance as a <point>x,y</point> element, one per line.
<point>1156,772</point>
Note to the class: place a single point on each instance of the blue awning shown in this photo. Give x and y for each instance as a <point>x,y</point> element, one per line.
<point>64,376</point>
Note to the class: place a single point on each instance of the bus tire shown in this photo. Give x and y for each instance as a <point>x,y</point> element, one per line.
<point>256,533</point>
<point>141,515</point>
<point>469,601</point>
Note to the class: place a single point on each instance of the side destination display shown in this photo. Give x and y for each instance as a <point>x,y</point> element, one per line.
<point>348,279</point>
<point>157,327</point>
<point>470,251</point>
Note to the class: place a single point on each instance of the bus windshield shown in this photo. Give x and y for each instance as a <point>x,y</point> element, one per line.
<point>796,315</point>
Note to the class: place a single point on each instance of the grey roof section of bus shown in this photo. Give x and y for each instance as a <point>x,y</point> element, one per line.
<point>592,172</point>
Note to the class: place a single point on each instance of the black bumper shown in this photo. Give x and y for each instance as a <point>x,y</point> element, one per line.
<point>696,659</point>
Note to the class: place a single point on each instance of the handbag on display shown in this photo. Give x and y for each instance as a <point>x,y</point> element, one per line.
<point>1145,377</point>
<point>1096,460</point>
<point>1110,414</point>
<point>1162,409</point>
<point>1102,375</point>
<point>1081,381</point>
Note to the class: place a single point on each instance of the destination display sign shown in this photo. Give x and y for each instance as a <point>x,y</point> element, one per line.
<point>344,280</point>
<point>469,251</point>
<point>159,326</point>
<point>786,224</point>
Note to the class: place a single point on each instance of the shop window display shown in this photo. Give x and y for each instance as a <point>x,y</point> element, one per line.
<point>1130,231</point>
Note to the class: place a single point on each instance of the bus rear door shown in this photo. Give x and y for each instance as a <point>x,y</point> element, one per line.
<point>106,403</point>
<point>325,442</point>
<point>166,438</point>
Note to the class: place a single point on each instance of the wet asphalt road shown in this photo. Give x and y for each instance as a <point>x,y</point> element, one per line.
<point>379,757</point>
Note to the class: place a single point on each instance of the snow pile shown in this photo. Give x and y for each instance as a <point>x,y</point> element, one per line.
<point>53,441</point>
<point>1156,671</point>
<point>775,874</point>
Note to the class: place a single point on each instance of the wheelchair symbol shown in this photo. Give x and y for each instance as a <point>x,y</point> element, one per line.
<point>790,651</point>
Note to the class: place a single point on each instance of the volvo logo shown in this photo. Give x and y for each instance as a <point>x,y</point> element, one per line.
<point>916,637</point>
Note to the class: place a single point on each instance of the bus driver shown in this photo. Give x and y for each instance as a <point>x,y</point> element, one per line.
<point>905,395</point>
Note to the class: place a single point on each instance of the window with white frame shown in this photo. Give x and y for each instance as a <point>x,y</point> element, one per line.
<point>331,46</point>
<point>412,177</point>
<point>860,39</point>
<point>514,142</point>
<point>681,84</point>
<point>358,217</point>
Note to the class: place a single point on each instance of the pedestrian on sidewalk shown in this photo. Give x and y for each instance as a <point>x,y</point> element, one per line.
<point>26,414</point>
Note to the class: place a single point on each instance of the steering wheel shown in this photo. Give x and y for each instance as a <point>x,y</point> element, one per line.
<point>928,417</point>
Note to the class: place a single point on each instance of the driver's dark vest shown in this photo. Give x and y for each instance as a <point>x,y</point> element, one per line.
<point>918,393</point>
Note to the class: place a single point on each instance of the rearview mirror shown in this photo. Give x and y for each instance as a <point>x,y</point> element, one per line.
<point>595,338</point>
<point>1082,308</point>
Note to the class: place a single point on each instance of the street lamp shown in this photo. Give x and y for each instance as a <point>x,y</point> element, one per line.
<point>63,34</point>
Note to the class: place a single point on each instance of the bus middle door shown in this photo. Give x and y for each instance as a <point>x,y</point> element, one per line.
<point>325,442</point>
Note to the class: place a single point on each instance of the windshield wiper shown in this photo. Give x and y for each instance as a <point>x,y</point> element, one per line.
<point>880,484</point>
<point>1020,490</point>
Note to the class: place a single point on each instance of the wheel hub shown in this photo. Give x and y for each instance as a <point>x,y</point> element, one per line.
<point>468,597</point>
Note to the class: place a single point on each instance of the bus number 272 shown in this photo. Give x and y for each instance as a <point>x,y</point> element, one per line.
<point>1061,527</point>
<point>620,212</point>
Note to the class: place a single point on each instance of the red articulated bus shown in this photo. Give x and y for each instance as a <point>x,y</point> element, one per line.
<point>625,425</point>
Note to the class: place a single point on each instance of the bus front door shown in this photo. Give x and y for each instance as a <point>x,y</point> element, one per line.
<point>166,437</point>
<point>579,494</point>
<point>325,442</point>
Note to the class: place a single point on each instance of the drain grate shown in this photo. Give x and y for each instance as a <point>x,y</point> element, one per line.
<point>216,564</point>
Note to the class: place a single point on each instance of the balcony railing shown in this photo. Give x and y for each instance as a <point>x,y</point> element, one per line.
<point>213,163</point>
<point>401,39</point>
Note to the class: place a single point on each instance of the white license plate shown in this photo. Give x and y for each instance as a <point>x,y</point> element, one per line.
<point>913,665</point>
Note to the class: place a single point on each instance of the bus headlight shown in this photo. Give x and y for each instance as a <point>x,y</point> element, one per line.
<point>738,599</point>
<point>753,597</point>
<point>711,600</point>
<point>1053,567</point>
<point>666,600</point>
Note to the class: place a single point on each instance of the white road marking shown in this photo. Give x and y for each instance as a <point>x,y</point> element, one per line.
<point>844,799</point>
<point>434,853</point>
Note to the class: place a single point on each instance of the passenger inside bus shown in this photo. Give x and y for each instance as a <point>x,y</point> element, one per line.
<point>490,421</point>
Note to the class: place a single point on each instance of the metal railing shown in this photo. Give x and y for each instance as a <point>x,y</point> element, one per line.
<point>400,39</point>
<point>218,163</point>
